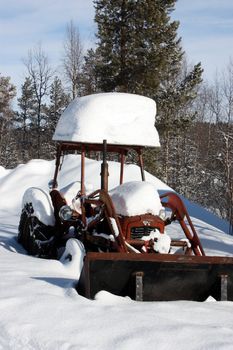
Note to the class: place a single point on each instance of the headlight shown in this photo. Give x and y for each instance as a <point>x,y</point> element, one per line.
<point>162,214</point>
<point>65,213</point>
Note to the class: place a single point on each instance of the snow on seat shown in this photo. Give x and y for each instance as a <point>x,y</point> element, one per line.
<point>70,192</point>
<point>136,198</point>
<point>119,118</point>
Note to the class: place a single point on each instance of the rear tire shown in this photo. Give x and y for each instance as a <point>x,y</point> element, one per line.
<point>35,237</point>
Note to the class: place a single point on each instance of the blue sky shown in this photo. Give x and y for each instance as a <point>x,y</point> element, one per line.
<point>206,28</point>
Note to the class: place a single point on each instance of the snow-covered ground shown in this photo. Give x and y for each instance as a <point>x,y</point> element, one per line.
<point>40,309</point>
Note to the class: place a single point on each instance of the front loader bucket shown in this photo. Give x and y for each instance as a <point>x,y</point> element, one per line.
<point>157,277</point>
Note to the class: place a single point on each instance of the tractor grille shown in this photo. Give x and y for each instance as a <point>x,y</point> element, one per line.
<point>139,232</point>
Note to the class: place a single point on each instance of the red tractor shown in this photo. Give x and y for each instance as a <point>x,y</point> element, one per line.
<point>127,249</point>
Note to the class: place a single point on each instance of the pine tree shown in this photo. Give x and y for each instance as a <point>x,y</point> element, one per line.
<point>176,114</point>
<point>7,142</point>
<point>139,51</point>
<point>89,79</point>
<point>59,100</point>
<point>137,43</point>
<point>25,119</point>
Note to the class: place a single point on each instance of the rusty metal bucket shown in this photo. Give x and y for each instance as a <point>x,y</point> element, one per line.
<point>156,277</point>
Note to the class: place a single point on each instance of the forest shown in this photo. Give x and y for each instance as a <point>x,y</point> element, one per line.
<point>137,50</point>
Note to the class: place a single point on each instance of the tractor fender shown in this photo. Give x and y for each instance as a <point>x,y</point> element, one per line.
<point>41,204</point>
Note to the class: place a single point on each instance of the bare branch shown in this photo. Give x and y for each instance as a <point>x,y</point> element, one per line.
<point>73,58</point>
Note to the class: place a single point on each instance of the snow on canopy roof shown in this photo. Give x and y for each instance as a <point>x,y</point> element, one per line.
<point>119,118</point>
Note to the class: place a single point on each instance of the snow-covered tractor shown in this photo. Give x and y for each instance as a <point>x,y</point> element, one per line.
<point>121,232</point>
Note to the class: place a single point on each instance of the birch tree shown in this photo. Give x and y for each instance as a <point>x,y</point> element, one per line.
<point>40,74</point>
<point>73,59</point>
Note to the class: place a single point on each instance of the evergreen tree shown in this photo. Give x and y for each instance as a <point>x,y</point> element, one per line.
<point>59,100</point>
<point>89,80</point>
<point>7,142</point>
<point>176,114</point>
<point>25,119</point>
<point>139,52</point>
<point>137,44</point>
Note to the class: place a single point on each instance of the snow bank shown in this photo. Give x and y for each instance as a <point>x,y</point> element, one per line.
<point>40,308</point>
<point>70,191</point>
<point>3,171</point>
<point>135,198</point>
<point>119,118</point>
<point>37,173</point>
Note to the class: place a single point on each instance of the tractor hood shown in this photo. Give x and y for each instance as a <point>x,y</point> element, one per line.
<point>136,198</point>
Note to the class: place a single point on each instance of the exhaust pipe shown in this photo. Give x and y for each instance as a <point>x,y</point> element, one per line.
<point>104,168</point>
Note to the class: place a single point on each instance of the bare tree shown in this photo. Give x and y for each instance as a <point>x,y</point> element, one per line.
<point>216,101</point>
<point>227,138</point>
<point>227,89</point>
<point>40,73</point>
<point>73,58</point>
<point>220,146</point>
<point>226,158</point>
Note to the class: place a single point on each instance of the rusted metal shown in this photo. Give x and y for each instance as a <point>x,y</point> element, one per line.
<point>122,167</point>
<point>58,158</point>
<point>138,276</point>
<point>224,280</point>
<point>113,220</point>
<point>89,147</point>
<point>58,201</point>
<point>132,267</point>
<point>97,147</point>
<point>148,221</point>
<point>165,276</point>
<point>141,164</point>
<point>180,213</point>
<point>82,171</point>
<point>104,168</point>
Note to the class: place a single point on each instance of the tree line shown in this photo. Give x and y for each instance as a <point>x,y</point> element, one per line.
<point>138,51</point>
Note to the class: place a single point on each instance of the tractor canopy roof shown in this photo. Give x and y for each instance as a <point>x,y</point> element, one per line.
<point>119,118</point>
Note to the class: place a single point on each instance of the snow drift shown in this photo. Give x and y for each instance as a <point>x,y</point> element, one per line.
<point>39,308</point>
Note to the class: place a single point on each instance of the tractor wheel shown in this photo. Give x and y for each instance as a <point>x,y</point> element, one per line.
<point>35,237</point>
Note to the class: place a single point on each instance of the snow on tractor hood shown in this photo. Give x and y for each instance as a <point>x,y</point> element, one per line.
<point>119,118</point>
<point>136,198</point>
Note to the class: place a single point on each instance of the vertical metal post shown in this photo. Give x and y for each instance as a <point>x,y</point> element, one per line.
<point>141,165</point>
<point>224,287</point>
<point>139,286</point>
<point>122,167</point>
<point>82,171</point>
<point>104,168</point>
<point>58,156</point>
